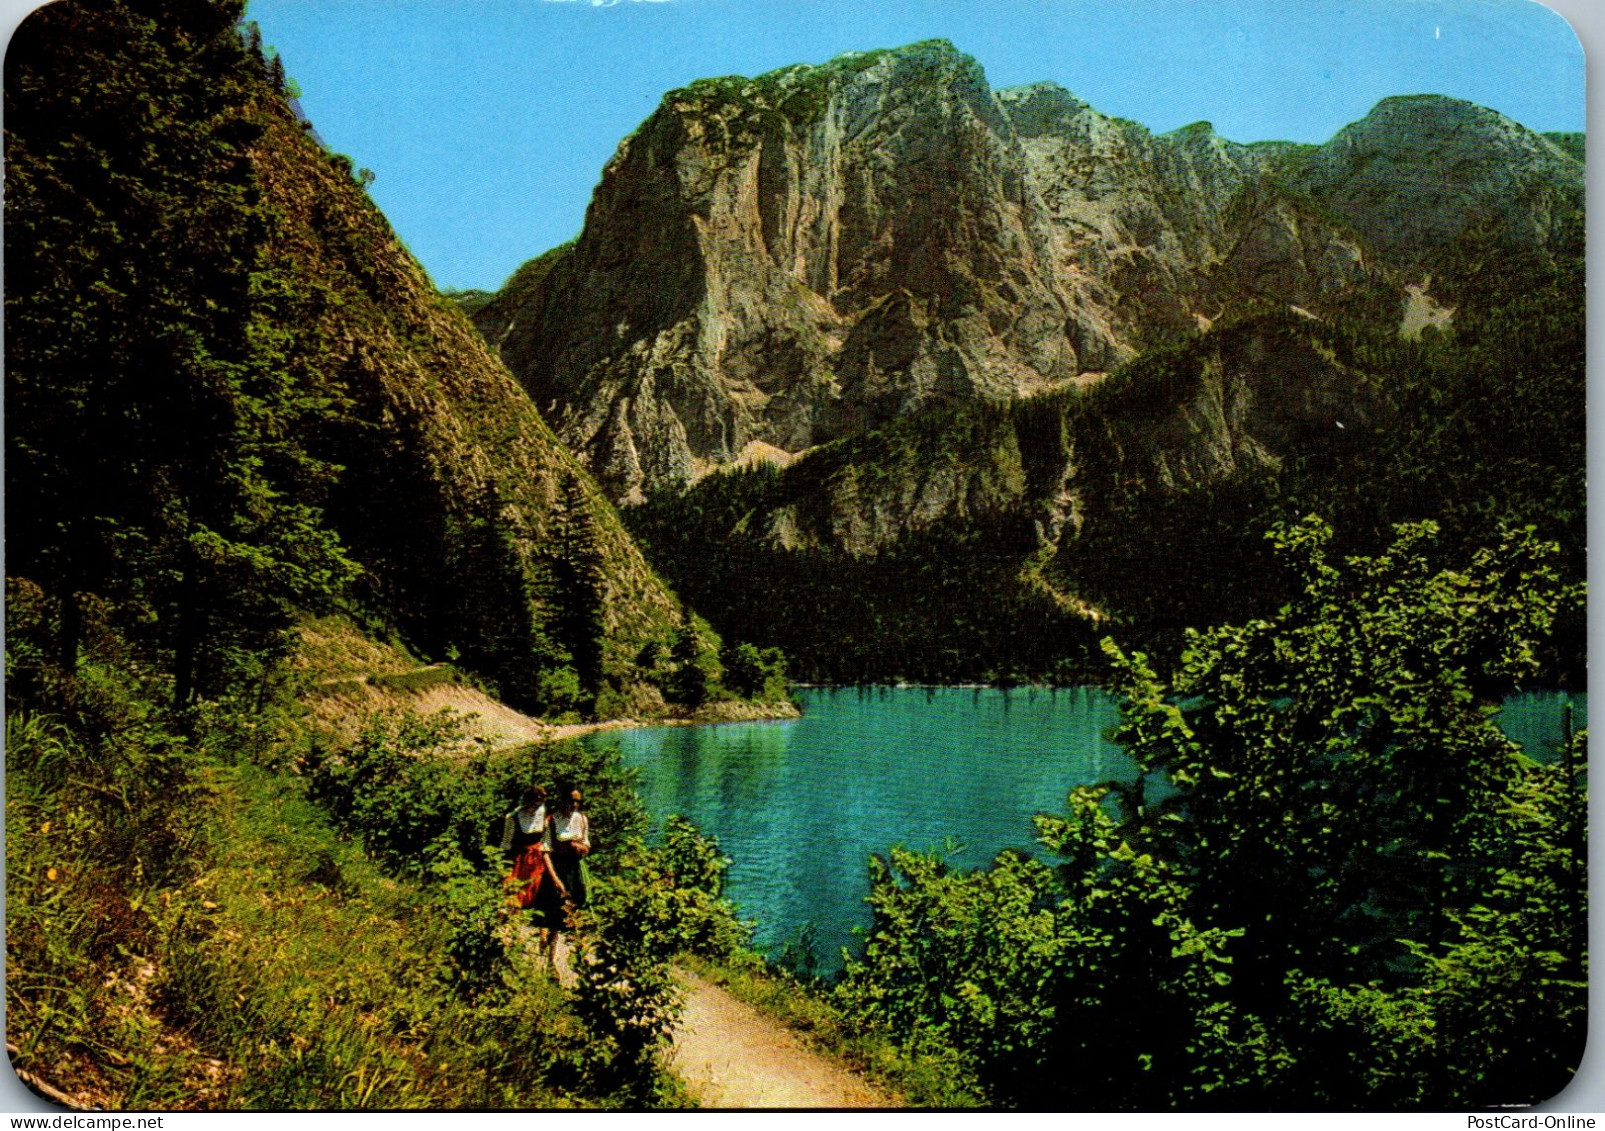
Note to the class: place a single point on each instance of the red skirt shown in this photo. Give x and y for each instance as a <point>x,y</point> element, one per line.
<point>536,889</point>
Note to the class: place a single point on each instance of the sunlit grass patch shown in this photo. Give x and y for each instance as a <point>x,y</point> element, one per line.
<point>333,646</point>
<point>81,837</point>
<point>325,980</point>
<point>438,675</point>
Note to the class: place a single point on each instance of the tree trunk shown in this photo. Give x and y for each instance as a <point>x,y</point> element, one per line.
<point>71,633</point>
<point>186,645</point>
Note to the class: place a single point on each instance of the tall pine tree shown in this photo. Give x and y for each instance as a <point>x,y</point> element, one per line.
<point>579,584</point>
<point>498,624</point>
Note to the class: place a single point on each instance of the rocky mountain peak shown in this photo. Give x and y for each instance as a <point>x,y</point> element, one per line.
<point>1043,108</point>
<point>794,257</point>
<point>775,262</point>
<point>1433,128</point>
<point>1416,171</point>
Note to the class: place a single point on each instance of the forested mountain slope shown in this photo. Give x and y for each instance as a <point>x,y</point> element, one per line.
<point>231,391</point>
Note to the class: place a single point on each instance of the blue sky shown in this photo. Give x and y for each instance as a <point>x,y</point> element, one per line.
<point>487,122</point>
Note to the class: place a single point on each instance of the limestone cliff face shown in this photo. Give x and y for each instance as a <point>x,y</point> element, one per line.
<point>799,257</point>
<point>1242,399</point>
<point>785,261</point>
<point>1168,230</point>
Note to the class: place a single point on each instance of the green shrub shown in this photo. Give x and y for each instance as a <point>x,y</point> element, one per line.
<point>755,674</point>
<point>420,679</point>
<point>1352,890</point>
<point>472,908</point>
<point>655,904</point>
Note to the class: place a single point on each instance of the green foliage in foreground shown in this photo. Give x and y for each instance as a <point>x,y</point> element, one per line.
<point>657,904</point>
<point>414,788</point>
<point>427,813</point>
<point>186,931</point>
<point>1336,884</point>
<point>222,919</point>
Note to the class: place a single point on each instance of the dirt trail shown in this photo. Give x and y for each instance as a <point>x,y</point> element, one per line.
<point>731,1055</point>
<point>353,677</point>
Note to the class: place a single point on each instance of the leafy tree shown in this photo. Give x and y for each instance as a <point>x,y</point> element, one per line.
<point>753,673</point>
<point>1335,881</point>
<point>688,681</point>
<point>658,903</point>
<point>1342,795</point>
<point>499,622</point>
<point>1348,739</point>
<point>1508,989</point>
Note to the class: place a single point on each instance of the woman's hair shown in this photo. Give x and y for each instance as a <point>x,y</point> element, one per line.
<point>534,793</point>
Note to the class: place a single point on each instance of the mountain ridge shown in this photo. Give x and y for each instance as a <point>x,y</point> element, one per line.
<point>814,252</point>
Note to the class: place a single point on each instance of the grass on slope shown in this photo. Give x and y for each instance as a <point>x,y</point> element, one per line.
<point>322,980</point>
<point>265,963</point>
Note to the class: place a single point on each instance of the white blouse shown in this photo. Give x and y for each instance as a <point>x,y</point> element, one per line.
<point>527,823</point>
<point>572,827</point>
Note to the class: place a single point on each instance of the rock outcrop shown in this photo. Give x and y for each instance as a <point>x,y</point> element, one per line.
<point>1243,399</point>
<point>1167,231</point>
<point>982,538</point>
<point>796,258</point>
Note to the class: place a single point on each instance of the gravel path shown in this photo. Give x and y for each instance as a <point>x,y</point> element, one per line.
<point>731,1055</point>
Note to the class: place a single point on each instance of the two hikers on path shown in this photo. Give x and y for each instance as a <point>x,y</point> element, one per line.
<point>547,850</point>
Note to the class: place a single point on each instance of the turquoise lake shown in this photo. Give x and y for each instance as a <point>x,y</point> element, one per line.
<point>800,805</point>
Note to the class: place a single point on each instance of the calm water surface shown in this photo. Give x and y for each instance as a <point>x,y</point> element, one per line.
<point>800,805</point>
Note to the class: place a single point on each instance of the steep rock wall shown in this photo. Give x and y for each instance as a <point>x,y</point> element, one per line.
<point>780,262</point>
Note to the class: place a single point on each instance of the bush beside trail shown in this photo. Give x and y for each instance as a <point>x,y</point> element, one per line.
<point>1337,883</point>
<point>211,908</point>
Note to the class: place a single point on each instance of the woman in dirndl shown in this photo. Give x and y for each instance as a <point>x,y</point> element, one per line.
<point>534,883</point>
<point>571,843</point>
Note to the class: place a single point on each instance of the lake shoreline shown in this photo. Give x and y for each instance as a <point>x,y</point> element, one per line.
<point>712,714</point>
<point>960,772</point>
<point>741,711</point>
<point>903,685</point>
<point>800,809</point>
